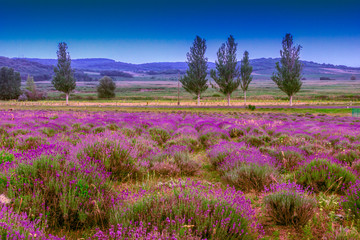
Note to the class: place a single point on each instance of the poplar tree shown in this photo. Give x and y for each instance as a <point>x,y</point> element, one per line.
<point>288,75</point>
<point>227,74</point>
<point>30,84</point>
<point>245,72</point>
<point>195,81</point>
<point>64,80</point>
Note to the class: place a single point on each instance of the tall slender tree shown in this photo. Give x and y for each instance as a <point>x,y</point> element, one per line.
<point>288,75</point>
<point>64,80</point>
<point>227,74</point>
<point>30,84</point>
<point>195,81</point>
<point>245,72</point>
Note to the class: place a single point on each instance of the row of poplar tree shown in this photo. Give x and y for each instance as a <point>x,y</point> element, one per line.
<point>228,76</point>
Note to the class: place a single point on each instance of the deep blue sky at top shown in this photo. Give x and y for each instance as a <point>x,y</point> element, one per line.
<point>139,31</point>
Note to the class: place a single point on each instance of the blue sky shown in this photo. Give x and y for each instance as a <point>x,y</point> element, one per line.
<point>158,30</point>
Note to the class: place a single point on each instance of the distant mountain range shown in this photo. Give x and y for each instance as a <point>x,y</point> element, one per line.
<point>88,69</point>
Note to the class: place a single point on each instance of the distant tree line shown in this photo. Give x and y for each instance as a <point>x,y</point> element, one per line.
<point>114,73</point>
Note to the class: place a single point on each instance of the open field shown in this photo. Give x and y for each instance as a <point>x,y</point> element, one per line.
<point>163,89</point>
<point>178,174</point>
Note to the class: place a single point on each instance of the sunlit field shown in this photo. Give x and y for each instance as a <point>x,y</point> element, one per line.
<point>178,175</point>
<point>163,90</point>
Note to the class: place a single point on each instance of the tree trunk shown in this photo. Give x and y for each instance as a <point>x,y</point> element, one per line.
<point>198,99</point>
<point>245,98</point>
<point>67,99</point>
<point>228,99</point>
<point>291,100</point>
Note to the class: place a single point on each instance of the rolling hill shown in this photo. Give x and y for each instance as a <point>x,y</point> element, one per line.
<point>42,69</point>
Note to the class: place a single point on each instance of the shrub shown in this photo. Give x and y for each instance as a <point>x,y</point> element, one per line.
<point>159,135</point>
<point>353,77</point>
<point>289,159</point>
<point>165,169</point>
<point>247,177</point>
<point>251,107</point>
<point>6,157</point>
<point>186,165</point>
<point>30,143</point>
<point>219,152</point>
<point>106,88</point>
<point>208,213</point>
<point>112,127</point>
<point>351,202</point>
<point>289,204</point>
<point>212,138</point>
<point>235,132</point>
<point>188,141</point>
<point>348,157</point>
<point>18,226</point>
<point>50,132</point>
<point>10,83</point>
<point>22,98</point>
<point>70,196</point>
<point>323,175</point>
<point>174,162</point>
<point>255,141</point>
<point>116,157</point>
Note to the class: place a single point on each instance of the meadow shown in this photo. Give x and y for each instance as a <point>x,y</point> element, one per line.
<point>178,175</point>
<point>163,90</point>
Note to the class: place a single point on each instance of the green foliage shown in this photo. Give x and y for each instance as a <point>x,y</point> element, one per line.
<point>346,233</point>
<point>251,107</point>
<point>235,132</point>
<point>322,175</point>
<point>288,160</point>
<point>30,143</point>
<point>113,127</point>
<point>288,75</point>
<point>187,166</point>
<point>250,176</point>
<point>191,142</point>
<point>30,84</point>
<point>10,82</point>
<point>348,157</point>
<point>159,135</point>
<point>106,88</point>
<point>6,157</point>
<point>255,141</point>
<point>60,191</point>
<point>227,74</point>
<point>204,215</point>
<point>98,130</point>
<point>50,132</point>
<point>289,207</point>
<point>211,138</point>
<point>245,73</point>
<point>64,80</point>
<point>328,202</point>
<point>195,80</point>
<point>114,157</point>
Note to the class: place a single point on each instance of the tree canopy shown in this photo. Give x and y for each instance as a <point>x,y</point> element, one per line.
<point>64,80</point>
<point>195,81</point>
<point>288,71</point>
<point>10,83</point>
<point>227,73</point>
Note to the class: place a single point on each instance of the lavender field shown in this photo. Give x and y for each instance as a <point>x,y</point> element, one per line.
<point>158,175</point>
